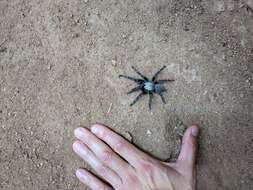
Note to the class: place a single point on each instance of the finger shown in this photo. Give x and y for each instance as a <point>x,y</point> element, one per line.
<point>187,156</point>
<point>90,180</point>
<point>102,151</point>
<point>120,145</point>
<point>85,153</point>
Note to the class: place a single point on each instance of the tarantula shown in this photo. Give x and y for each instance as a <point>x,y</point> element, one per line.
<point>147,86</point>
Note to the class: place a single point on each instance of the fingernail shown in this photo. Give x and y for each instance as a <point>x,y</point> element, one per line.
<point>81,175</point>
<point>195,131</point>
<point>78,148</point>
<point>95,129</point>
<point>79,133</point>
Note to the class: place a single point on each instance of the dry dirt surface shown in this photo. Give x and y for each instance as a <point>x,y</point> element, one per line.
<point>59,67</point>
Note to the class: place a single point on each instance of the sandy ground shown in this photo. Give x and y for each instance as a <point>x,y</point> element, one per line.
<point>59,67</point>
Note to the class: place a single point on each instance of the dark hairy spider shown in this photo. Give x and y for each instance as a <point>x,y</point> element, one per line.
<point>147,86</point>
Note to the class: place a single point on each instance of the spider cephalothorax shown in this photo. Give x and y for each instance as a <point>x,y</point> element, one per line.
<point>147,86</point>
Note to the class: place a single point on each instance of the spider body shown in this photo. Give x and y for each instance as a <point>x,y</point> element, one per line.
<point>147,86</point>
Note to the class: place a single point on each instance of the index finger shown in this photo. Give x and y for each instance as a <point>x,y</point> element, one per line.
<point>125,149</point>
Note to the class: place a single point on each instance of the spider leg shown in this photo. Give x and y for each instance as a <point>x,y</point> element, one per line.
<point>135,89</point>
<point>138,72</point>
<point>150,100</point>
<point>131,78</point>
<point>157,73</point>
<point>137,98</point>
<point>161,95</point>
<point>164,81</point>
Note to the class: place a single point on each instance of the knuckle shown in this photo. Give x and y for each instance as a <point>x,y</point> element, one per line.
<point>119,146</point>
<point>188,142</point>
<point>147,166</point>
<point>117,186</point>
<point>106,156</point>
<point>132,179</point>
<point>101,170</point>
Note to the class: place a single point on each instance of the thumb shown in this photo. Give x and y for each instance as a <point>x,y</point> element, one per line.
<point>187,156</point>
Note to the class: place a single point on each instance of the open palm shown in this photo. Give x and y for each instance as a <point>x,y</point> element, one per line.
<point>125,167</point>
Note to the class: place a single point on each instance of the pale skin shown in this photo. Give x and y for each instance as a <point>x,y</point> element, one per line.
<point>122,166</point>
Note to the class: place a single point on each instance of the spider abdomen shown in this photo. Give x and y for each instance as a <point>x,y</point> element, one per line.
<point>149,86</point>
<point>159,88</point>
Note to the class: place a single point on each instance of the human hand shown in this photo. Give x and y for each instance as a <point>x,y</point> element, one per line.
<point>125,167</point>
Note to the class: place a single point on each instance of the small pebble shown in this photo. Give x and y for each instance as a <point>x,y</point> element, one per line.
<point>114,63</point>
<point>49,67</point>
<point>130,110</point>
<point>149,132</point>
